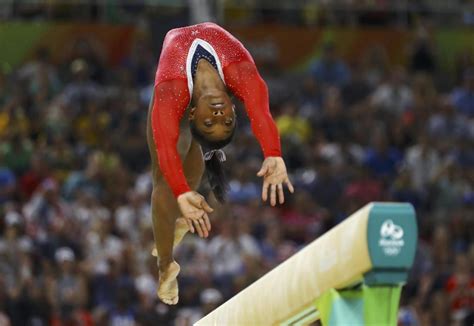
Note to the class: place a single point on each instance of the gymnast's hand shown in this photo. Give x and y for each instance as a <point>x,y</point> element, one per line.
<point>194,208</point>
<point>274,175</point>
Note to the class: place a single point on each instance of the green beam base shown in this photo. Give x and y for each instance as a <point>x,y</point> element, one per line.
<point>385,277</point>
<point>366,305</point>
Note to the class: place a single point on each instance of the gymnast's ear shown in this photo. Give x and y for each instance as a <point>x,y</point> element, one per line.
<point>191,113</point>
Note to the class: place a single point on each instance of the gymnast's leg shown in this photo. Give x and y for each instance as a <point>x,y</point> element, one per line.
<point>165,211</point>
<point>168,228</point>
<point>193,170</point>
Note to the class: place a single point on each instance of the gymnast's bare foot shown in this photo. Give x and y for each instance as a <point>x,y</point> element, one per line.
<point>180,231</point>
<point>168,284</point>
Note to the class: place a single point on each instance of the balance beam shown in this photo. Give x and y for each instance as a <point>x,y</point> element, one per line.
<point>376,244</point>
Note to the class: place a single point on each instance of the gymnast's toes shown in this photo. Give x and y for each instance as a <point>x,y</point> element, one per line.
<point>170,301</point>
<point>168,284</point>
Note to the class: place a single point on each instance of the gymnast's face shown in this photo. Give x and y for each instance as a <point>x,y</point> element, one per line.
<point>214,115</point>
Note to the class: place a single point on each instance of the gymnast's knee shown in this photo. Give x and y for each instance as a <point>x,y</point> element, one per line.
<point>156,195</point>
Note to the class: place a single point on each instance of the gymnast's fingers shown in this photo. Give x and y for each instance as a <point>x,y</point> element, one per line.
<point>196,200</point>
<point>281,194</point>
<point>262,171</point>
<point>204,227</point>
<point>190,224</point>
<point>198,228</point>
<point>206,207</point>
<point>207,221</point>
<point>289,185</point>
<point>265,190</point>
<point>273,195</point>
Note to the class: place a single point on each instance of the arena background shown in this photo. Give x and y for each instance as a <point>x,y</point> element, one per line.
<point>392,119</point>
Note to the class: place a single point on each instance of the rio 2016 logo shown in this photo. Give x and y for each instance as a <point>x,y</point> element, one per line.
<point>391,240</point>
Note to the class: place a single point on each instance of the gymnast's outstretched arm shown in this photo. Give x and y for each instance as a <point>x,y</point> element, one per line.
<point>246,83</point>
<point>169,105</point>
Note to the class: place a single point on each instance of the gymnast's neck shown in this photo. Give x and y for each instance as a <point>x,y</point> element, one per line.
<point>207,81</point>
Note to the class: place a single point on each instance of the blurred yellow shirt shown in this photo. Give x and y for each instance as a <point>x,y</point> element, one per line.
<point>293,126</point>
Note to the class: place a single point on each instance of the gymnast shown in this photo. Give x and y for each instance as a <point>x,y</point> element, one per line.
<point>190,119</point>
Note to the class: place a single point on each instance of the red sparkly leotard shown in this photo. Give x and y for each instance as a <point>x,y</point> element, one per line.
<point>182,49</point>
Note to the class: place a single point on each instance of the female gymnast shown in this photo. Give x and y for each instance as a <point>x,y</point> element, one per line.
<point>191,117</point>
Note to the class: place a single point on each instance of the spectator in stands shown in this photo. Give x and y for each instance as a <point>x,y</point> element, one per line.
<point>375,65</point>
<point>81,88</point>
<point>463,97</point>
<point>422,56</point>
<point>393,96</point>
<point>422,162</point>
<point>7,182</point>
<point>460,289</point>
<point>329,70</point>
<point>382,159</point>
<point>68,290</point>
<point>291,124</point>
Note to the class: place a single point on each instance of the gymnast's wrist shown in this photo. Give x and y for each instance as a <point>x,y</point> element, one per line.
<point>272,152</point>
<point>181,190</point>
<point>276,154</point>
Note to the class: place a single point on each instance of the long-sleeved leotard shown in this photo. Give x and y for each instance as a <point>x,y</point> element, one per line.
<point>182,49</point>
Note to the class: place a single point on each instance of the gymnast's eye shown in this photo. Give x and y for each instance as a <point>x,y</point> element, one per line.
<point>208,123</point>
<point>228,122</point>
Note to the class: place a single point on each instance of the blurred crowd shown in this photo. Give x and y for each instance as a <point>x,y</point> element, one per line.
<point>248,12</point>
<point>75,226</point>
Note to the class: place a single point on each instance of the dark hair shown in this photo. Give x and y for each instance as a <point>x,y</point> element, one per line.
<point>214,168</point>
